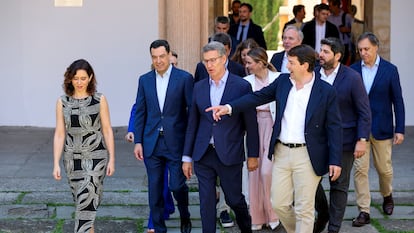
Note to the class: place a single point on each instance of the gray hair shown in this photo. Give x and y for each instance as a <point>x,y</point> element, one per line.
<point>371,37</point>
<point>293,27</point>
<point>214,46</point>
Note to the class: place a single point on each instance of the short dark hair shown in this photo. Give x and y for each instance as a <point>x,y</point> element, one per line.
<point>371,37</point>
<point>80,64</point>
<point>297,9</point>
<point>322,6</point>
<point>236,1</point>
<point>159,43</point>
<point>335,44</point>
<point>250,7</point>
<point>222,19</point>
<point>174,54</point>
<point>222,38</point>
<point>304,53</point>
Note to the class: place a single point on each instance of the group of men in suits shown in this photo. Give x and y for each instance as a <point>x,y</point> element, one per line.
<point>320,127</point>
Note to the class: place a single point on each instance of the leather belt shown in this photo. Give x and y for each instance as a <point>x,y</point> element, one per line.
<point>293,145</point>
<point>161,132</point>
<point>211,146</point>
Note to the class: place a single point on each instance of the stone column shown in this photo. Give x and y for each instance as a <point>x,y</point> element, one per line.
<point>377,16</point>
<point>185,25</point>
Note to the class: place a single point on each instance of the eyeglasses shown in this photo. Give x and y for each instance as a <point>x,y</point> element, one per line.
<point>211,60</point>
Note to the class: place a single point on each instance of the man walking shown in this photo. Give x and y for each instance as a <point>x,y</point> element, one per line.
<point>382,83</point>
<point>356,125</point>
<point>162,103</point>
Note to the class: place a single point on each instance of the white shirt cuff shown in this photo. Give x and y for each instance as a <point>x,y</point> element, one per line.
<point>229,108</point>
<point>186,158</point>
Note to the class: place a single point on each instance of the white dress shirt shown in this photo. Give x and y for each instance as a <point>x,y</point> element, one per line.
<point>162,84</point>
<point>319,35</point>
<point>293,120</point>
<point>329,78</point>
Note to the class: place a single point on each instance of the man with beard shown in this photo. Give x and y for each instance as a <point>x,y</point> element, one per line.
<point>356,124</point>
<point>234,16</point>
<point>246,28</point>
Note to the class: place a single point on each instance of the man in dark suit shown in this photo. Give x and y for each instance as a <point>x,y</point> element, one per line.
<point>292,36</point>
<point>299,13</point>
<point>356,125</point>
<point>222,24</point>
<point>306,141</point>
<point>246,28</point>
<point>382,83</point>
<point>162,103</point>
<point>312,35</point>
<point>217,148</point>
<point>232,66</point>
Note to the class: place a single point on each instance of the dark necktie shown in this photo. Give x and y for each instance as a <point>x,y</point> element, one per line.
<point>241,33</point>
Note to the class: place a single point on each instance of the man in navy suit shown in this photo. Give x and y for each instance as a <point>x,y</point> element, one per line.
<point>162,103</point>
<point>217,148</point>
<point>222,24</point>
<point>356,125</point>
<point>246,28</point>
<point>382,83</point>
<point>313,30</point>
<point>292,36</point>
<point>306,141</point>
<point>232,66</point>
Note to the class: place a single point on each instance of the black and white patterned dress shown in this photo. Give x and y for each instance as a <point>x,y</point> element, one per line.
<point>85,157</point>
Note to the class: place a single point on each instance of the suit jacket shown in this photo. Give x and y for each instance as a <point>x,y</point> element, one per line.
<point>229,132</point>
<point>232,66</point>
<point>385,98</point>
<point>272,77</point>
<point>255,32</point>
<point>173,119</point>
<point>323,131</point>
<point>353,104</point>
<point>292,21</point>
<point>277,60</point>
<point>309,31</point>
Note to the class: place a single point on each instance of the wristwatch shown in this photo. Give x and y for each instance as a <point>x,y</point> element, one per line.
<point>363,139</point>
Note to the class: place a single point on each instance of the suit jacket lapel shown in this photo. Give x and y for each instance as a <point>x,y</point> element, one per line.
<point>153,89</point>
<point>378,75</point>
<point>281,97</point>
<point>226,92</point>
<point>205,96</point>
<point>339,76</point>
<point>314,100</point>
<point>171,87</point>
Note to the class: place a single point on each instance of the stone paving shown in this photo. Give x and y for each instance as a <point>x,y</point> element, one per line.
<point>32,201</point>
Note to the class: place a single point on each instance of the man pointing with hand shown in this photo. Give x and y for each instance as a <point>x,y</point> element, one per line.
<point>307,136</point>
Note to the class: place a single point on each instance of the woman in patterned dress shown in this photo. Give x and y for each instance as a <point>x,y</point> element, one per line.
<point>84,136</point>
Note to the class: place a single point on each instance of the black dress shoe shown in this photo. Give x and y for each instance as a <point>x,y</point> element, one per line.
<point>362,219</point>
<point>388,205</point>
<point>186,225</point>
<point>320,224</point>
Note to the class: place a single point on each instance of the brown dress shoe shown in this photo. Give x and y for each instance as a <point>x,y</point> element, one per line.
<point>388,205</point>
<point>362,219</point>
